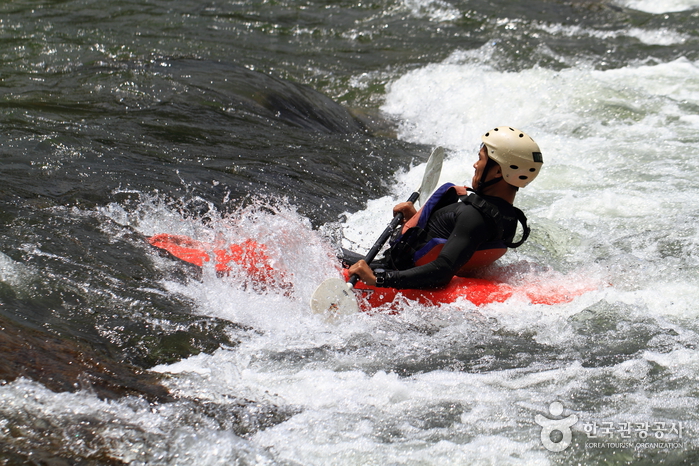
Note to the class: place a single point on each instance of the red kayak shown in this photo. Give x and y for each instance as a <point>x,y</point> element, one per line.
<point>251,257</point>
<point>478,291</point>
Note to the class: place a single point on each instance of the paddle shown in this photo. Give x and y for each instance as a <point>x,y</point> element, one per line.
<point>334,295</point>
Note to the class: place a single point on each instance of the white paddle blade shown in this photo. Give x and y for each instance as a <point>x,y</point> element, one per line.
<point>335,298</point>
<point>431,176</point>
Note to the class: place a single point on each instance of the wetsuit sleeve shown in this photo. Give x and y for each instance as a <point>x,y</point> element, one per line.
<point>470,231</point>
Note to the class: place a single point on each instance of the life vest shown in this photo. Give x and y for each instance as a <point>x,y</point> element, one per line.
<point>414,246</point>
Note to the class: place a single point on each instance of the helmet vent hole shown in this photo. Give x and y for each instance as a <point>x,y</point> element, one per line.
<point>523,177</point>
<point>514,167</point>
<point>532,169</point>
<point>521,135</point>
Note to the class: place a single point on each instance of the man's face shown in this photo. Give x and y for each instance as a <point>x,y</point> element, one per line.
<point>479,166</point>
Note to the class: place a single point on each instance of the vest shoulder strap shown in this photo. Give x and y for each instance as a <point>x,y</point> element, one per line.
<point>492,213</point>
<point>488,211</point>
<point>439,197</point>
<point>525,229</point>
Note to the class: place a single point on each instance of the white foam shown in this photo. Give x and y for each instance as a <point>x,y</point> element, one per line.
<point>13,273</point>
<point>664,6</point>
<point>662,36</point>
<point>459,99</point>
<point>436,10</point>
<point>130,430</point>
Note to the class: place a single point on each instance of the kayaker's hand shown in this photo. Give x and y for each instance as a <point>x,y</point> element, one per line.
<point>406,208</point>
<point>365,273</point>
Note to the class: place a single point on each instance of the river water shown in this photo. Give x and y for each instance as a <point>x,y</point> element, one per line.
<point>299,125</point>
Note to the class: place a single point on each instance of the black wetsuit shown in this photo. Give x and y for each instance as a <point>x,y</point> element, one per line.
<point>466,230</point>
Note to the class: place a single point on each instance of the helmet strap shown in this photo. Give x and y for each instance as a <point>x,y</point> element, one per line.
<point>482,184</point>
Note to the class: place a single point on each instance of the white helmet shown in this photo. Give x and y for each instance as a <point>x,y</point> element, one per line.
<point>517,154</point>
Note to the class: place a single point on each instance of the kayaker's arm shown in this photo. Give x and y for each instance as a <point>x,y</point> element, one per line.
<point>471,230</point>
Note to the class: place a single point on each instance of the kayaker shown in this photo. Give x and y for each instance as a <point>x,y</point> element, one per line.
<point>455,232</point>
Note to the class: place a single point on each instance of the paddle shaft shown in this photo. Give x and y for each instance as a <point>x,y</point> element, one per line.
<point>383,238</point>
